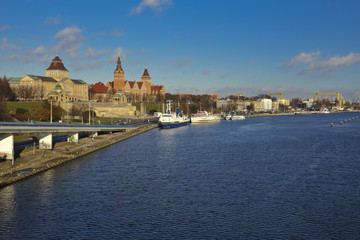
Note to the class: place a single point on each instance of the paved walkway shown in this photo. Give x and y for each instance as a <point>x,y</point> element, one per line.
<point>30,163</point>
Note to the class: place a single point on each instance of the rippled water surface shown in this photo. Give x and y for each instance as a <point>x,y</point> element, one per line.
<point>261,178</point>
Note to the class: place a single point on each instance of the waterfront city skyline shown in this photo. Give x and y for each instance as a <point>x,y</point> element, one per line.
<point>223,47</point>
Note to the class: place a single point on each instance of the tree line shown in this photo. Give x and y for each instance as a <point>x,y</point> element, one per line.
<point>5,94</point>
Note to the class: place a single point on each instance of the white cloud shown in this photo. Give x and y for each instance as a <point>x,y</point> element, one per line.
<point>118,52</point>
<point>6,45</point>
<point>24,58</point>
<point>71,39</point>
<point>39,55</point>
<point>336,62</point>
<point>156,5</point>
<point>3,28</point>
<point>53,20</point>
<point>303,58</point>
<point>93,53</point>
<point>312,62</point>
<point>39,51</point>
<point>91,65</point>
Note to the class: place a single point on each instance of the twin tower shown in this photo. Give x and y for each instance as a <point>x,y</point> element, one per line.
<point>142,87</point>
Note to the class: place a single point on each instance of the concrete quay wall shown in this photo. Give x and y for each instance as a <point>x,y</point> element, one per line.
<point>30,163</point>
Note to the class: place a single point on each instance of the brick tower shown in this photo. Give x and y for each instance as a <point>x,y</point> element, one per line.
<point>119,77</point>
<point>146,79</point>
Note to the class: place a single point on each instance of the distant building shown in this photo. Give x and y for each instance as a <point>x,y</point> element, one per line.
<point>56,84</point>
<point>283,101</point>
<point>101,93</point>
<point>223,104</point>
<point>276,105</point>
<point>243,105</point>
<point>142,90</point>
<point>266,104</point>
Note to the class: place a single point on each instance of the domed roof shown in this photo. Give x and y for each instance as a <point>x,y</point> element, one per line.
<point>53,93</point>
<point>57,64</point>
<point>119,93</point>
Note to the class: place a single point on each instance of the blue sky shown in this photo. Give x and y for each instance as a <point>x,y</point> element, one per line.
<point>216,46</point>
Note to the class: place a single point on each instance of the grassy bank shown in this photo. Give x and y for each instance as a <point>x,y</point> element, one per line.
<point>32,107</point>
<point>149,107</point>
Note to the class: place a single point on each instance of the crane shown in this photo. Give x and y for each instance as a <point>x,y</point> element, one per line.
<point>239,95</point>
<point>280,93</point>
<point>336,94</point>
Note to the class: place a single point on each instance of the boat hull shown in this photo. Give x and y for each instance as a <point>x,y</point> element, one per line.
<point>196,120</point>
<point>166,125</point>
<point>234,118</point>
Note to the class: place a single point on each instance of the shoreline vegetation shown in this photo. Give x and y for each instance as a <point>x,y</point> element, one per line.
<point>30,162</point>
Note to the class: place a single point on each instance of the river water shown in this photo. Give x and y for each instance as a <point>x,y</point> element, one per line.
<point>286,177</point>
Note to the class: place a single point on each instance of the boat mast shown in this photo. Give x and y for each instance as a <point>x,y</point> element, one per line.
<point>168,106</point>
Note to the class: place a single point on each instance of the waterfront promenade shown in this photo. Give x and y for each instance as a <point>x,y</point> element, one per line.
<point>32,162</point>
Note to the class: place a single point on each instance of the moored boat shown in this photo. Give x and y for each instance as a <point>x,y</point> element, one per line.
<point>237,117</point>
<point>234,117</point>
<point>205,117</point>
<point>171,119</point>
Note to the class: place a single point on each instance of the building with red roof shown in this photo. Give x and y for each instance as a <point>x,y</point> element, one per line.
<point>141,90</point>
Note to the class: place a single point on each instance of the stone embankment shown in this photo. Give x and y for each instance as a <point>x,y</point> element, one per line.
<point>35,161</point>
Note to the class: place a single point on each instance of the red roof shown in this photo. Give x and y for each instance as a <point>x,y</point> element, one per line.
<point>131,84</point>
<point>140,84</point>
<point>156,88</point>
<point>56,64</point>
<point>99,87</point>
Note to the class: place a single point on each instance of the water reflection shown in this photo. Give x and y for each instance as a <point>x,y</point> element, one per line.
<point>264,178</point>
<point>8,205</point>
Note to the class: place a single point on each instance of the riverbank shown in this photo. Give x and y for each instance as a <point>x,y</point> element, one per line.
<point>32,162</point>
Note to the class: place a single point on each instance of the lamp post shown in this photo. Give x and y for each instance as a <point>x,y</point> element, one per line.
<point>51,110</point>
<point>89,113</point>
<point>111,115</point>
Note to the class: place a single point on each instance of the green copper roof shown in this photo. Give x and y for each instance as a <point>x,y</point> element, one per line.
<point>63,80</point>
<point>58,87</point>
<point>33,77</point>
<point>15,80</point>
<point>77,81</point>
<point>119,93</point>
<point>53,93</point>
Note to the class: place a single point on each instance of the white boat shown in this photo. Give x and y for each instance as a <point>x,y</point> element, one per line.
<point>234,117</point>
<point>205,117</point>
<point>171,119</point>
<point>325,111</point>
<point>237,117</point>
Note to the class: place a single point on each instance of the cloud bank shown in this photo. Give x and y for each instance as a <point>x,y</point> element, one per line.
<point>311,62</point>
<point>156,5</point>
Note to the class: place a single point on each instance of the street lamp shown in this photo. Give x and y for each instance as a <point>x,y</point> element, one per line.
<point>89,113</point>
<point>51,110</point>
